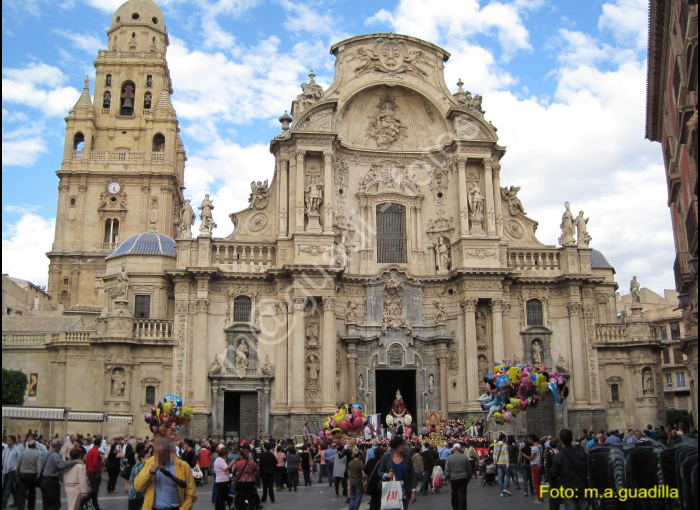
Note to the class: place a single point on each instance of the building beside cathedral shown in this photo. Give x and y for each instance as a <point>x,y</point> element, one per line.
<point>383,255</point>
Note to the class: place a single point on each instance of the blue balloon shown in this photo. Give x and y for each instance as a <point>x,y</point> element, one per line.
<point>555,393</point>
<point>358,406</point>
<point>173,398</point>
<point>503,381</point>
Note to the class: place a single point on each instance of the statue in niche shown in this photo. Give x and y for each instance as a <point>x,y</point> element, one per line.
<point>267,367</point>
<point>206,215</point>
<point>186,220</point>
<point>385,127</point>
<point>567,227</point>
<point>480,327</point>
<point>313,196</point>
<point>118,382</point>
<point>582,236</point>
<point>536,353</point>
<point>312,328</point>
<point>351,312</point>
<point>442,254</point>
<point>441,315</point>
<point>515,206</point>
<point>361,384</point>
<point>242,358</point>
<point>122,283</point>
<point>431,384</point>
<point>311,92</point>
<point>475,200</point>
<point>634,290</point>
<point>647,381</point>
<point>259,192</point>
<point>393,315</point>
<point>313,368</point>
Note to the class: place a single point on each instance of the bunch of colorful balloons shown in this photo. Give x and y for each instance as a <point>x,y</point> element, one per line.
<point>513,388</point>
<point>168,416</point>
<point>348,419</point>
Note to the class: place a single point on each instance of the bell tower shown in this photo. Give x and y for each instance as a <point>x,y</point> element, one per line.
<point>123,163</point>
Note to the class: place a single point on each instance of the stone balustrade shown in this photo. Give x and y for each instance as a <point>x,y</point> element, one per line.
<point>241,257</point>
<point>114,156</point>
<point>75,336</point>
<point>23,339</point>
<point>146,329</point>
<point>613,332</point>
<point>533,260</point>
<point>130,54</point>
<point>38,339</point>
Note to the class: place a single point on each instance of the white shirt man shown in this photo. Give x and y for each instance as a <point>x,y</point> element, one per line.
<point>368,433</point>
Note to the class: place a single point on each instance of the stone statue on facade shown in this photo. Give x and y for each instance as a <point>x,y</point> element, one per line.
<point>313,196</point>
<point>351,311</point>
<point>385,127</point>
<point>442,254</point>
<point>215,366</point>
<point>259,192</point>
<point>311,92</point>
<point>242,358</point>
<point>509,195</point>
<point>267,369</point>
<point>340,255</point>
<point>431,384</point>
<point>122,283</point>
<point>475,200</point>
<point>536,354</point>
<point>480,327</point>
<point>118,382</point>
<point>582,236</point>
<point>567,227</point>
<point>186,220</point>
<point>647,382</point>
<point>634,290</point>
<point>206,216</point>
<point>441,315</point>
<point>312,328</point>
<point>313,369</point>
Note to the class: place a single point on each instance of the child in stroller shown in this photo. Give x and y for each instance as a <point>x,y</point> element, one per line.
<point>197,475</point>
<point>488,470</point>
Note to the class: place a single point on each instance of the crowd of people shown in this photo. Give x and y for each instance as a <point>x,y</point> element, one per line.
<point>157,473</point>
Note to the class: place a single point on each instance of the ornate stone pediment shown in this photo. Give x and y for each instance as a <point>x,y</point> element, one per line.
<point>389,177</point>
<point>390,56</point>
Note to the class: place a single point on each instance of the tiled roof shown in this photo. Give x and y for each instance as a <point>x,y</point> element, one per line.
<point>599,260</point>
<point>33,324</point>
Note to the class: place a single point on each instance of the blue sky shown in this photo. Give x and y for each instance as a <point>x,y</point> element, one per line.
<point>564,81</point>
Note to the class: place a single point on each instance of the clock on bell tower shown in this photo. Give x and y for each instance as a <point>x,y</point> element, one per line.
<point>123,153</point>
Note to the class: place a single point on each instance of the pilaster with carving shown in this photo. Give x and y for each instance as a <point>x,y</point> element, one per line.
<point>328,192</point>
<point>499,348</point>
<point>283,197</point>
<point>470,350</point>
<point>489,200</point>
<point>297,355</point>
<point>300,158</point>
<point>575,310</point>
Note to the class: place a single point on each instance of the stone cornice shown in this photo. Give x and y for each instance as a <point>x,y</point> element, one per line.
<point>656,69</point>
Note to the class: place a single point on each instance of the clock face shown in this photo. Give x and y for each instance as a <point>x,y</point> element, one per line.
<point>114,187</point>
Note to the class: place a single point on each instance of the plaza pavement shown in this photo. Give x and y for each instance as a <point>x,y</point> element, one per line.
<point>322,497</point>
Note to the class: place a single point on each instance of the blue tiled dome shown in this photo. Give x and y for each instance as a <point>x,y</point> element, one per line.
<point>599,260</point>
<point>149,243</point>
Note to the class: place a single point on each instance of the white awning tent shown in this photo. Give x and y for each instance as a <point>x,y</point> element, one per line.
<point>120,419</point>
<point>85,416</point>
<point>33,413</point>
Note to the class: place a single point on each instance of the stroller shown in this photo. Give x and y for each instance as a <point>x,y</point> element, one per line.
<point>437,479</point>
<point>488,470</point>
<point>197,475</point>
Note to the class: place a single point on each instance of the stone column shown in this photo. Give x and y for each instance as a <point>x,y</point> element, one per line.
<point>352,377</point>
<point>266,404</point>
<point>327,192</point>
<point>462,194</point>
<point>299,196</point>
<point>577,350</point>
<point>489,220</point>
<point>283,194</point>
<point>283,341</point>
<point>499,348</point>
<point>196,376</point>
<point>506,329</point>
<point>497,198</point>
<point>328,356</point>
<point>442,358</point>
<point>471,367</point>
<point>298,365</point>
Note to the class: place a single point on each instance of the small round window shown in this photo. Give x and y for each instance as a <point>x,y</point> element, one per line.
<point>135,16</point>
<point>119,18</point>
<point>154,20</point>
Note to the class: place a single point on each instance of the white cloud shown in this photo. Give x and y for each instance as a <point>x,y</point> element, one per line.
<point>39,85</point>
<point>24,247</point>
<point>626,20</point>
<point>88,42</point>
<point>24,145</point>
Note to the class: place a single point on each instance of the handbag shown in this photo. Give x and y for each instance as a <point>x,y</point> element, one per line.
<point>392,495</point>
<point>125,473</point>
<point>365,489</point>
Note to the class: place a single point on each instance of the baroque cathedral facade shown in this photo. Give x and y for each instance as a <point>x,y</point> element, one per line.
<point>383,255</point>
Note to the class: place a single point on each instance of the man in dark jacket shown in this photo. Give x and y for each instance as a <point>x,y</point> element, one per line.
<point>569,471</point>
<point>267,463</point>
<point>458,471</point>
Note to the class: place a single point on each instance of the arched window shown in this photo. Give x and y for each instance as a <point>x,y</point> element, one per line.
<point>391,233</point>
<point>78,141</point>
<point>107,99</point>
<point>147,99</point>
<point>149,80</point>
<point>111,231</point>
<point>614,393</point>
<point>108,78</point>
<point>534,313</point>
<point>150,395</point>
<point>242,307</point>
<point>158,143</point>
<point>126,105</point>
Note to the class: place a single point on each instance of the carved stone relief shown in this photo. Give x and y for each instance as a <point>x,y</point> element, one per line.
<point>259,194</point>
<point>389,56</point>
<point>453,362</point>
<point>386,127</point>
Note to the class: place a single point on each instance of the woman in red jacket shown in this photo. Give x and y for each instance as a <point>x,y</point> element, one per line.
<point>205,461</point>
